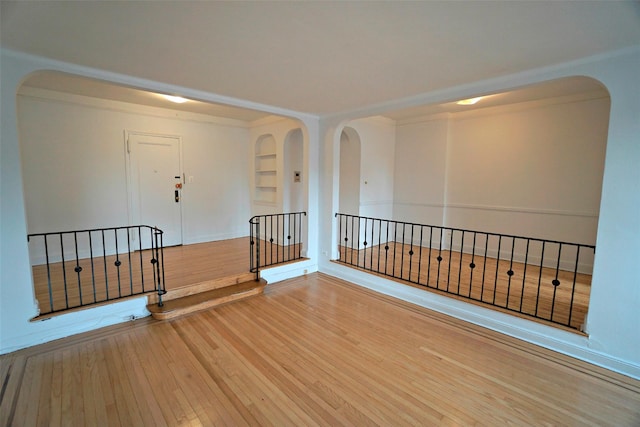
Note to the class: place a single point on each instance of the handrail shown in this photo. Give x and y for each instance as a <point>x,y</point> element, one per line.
<point>109,263</point>
<point>280,238</point>
<point>541,278</point>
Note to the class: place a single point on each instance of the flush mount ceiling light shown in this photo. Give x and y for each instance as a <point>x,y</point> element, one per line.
<point>176,99</point>
<point>469,101</point>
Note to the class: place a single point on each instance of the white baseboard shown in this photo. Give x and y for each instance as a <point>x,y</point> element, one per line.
<point>64,325</point>
<point>282,272</point>
<point>204,238</point>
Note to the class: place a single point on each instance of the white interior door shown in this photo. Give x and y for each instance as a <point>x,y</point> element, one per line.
<point>155,175</point>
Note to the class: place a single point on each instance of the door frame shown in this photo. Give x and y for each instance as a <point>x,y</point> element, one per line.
<point>133,216</point>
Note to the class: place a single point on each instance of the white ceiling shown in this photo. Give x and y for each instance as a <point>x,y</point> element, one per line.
<point>318,57</point>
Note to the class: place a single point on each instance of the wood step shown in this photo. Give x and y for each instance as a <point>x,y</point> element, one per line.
<point>198,288</point>
<point>205,300</point>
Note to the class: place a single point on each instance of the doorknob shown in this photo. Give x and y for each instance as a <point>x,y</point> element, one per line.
<point>177,196</point>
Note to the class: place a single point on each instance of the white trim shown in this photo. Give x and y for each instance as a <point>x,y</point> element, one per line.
<point>89,319</point>
<point>125,107</point>
<point>508,108</point>
<point>424,119</point>
<point>204,238</point>
<point>468,90</point>
<point>531,105</point>
<point>269,120</point>
<point>423,205</point>
<point>376,202</point>
<point>378,119</point>
<point>523,210</point>
<point>282,272</point>
<point>517,209</point>
<point>47,64</point>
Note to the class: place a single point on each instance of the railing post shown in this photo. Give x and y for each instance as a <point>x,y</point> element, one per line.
<point>279,238</point>
<point>159,285</point>
<point>258,249</point>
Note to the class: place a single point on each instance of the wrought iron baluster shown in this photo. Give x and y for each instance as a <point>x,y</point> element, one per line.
<point>495,286</point>
<point>450,253</point>
<point>472,265</point>
<point>411,252</point>
<point>439,259</point>
<point>540,279</point>
<point>573,286</point>
<point>429,263</point>
<point>524,274</point>
<point>555,282</point>
<point>140,256</point>
<point>118,263</point>
<point>77,268</point>
<point>104,260</point>
<point>510,271</point>
<point>420,254</point>
<point>484,265</point>
<point>64,272</point>
<point>130,264</point>
<point>46,254</point>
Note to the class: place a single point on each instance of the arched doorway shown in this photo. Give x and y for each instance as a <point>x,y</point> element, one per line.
<point>349,200</point>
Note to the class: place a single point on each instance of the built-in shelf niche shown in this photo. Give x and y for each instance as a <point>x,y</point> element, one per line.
<point>266,170</point>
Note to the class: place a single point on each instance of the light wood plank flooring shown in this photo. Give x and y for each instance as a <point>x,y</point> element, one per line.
<point>528,291</point>
<point>184,266</point>
<point>313,350</point>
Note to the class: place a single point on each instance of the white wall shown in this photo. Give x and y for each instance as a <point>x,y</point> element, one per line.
<point>614,318</point>
<point>534,172</point>
<point>420,171</point>
<point>293,192</point>
<point>534,169</point>
<point>74,172</point>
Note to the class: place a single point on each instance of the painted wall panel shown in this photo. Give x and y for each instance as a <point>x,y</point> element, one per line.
<point>420,172</point>
<point>546,158</point>
<point>533,172</point>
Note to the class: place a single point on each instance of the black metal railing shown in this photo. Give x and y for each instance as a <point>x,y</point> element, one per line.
<point>545,279</point>
<point>83,267</point>
<point>275,239</point>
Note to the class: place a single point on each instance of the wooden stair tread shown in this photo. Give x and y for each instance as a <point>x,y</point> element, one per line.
<point>201,287</point>
<point>204,300</point>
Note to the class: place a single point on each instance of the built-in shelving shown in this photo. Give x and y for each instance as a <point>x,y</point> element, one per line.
<point>266,171</point>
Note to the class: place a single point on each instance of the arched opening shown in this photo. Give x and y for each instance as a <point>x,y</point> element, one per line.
<point>349,200</point>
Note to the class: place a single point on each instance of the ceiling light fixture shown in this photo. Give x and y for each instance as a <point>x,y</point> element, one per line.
<point>176,99</point>
<point>469,101</point>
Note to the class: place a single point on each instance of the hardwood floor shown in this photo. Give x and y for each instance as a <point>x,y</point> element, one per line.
<point>184,265</point>
<point>313,350</point>
<point>528,290</point>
